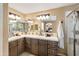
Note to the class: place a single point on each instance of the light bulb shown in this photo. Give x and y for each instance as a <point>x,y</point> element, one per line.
<point>30,21</point>
<point>12,16</point>
<point>38,18</point>
<point>11,21</point>
<point>17,17</point>
<point>9,16</point>
<point>44,17</point>
<point>47,17</point>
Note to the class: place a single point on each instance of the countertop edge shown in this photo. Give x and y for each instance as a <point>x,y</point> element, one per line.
<point>34,37</point>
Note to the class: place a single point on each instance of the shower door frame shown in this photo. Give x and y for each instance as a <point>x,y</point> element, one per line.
<point>74,40</point>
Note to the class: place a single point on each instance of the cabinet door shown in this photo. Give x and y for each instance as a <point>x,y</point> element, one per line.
<point>13,51</point>
<point>42,48</point>
<point>13,48</point>
<point>13,43</point>
<point>20,46</point>
<point>52,48</point>
<point>27,44</point>
<point>34,46</point>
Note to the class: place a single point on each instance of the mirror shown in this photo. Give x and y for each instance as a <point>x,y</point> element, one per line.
<point>15,26</point>
<point>32,28</point>
<point>36,26</point>
<point>48,27</point>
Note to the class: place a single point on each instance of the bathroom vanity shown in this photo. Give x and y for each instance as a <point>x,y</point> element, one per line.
<point>37,45</point>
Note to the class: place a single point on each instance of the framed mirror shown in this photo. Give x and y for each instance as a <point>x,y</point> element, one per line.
<point>36,27</point>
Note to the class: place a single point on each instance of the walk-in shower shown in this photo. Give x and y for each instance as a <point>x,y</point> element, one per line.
<point>72,23</point>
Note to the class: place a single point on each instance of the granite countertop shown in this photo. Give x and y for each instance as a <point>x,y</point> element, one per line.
<point>52,38</point>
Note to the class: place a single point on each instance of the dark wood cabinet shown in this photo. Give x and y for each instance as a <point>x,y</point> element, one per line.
<point>20,46</point>
<point>16,47</point>
<point>13,48</point>
<point>13,43</point>
<point>52,48</point>
<point>13,51</point>
<point>34,46</point>
<point>42,48</point>
<point>27,44</point>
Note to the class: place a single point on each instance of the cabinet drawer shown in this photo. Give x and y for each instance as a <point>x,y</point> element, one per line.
<point>52,52</point>
<point>34,47</point>
<point>43,47</point>
<point>52,46</point>
<point>52,42</point>
<point>13,43</point>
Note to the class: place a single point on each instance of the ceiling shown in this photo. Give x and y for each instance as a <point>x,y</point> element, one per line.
<point>36,7</point>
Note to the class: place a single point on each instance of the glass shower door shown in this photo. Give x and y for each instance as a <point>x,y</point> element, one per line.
<point>73,34</point>
<point>70,22</point>
<point>77,36</point>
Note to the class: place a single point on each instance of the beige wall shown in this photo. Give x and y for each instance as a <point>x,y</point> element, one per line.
<point>3,29</point>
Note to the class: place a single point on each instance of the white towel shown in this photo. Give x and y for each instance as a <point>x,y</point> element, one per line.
<point>60,35</point>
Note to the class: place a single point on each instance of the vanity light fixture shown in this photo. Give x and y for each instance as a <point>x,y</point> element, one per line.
<point>14,16</point>
<point>13,21</point>
<point>29,21</point>
<point>17,17</point>
<point>38,18</point>
<point>43,17</point>
<point>11,16</point>
<point>46,18</point>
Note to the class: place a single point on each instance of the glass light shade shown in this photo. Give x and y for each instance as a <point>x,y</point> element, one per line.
<point>13,21</point>
<point>38,18</point>
<point>47,17</point>
<point>12,16</point>
<point>17,17</point>
<point>44,17</point>
<point>9,16</point>
<point>30,21</point>
<point>41,17</point>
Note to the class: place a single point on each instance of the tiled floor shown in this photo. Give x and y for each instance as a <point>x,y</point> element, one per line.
<point>29,54</point>
<point>26,54</point>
